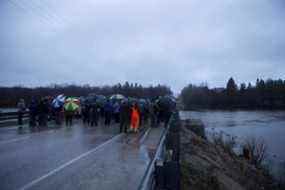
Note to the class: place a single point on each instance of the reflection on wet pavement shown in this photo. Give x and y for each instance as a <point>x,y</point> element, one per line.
<point>120,163</point>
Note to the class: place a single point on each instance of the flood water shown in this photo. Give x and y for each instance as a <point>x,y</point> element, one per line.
<point>268,125</point>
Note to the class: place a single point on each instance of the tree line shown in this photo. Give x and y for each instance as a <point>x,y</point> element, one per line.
<point>264,94</point>
<point>9,96</point>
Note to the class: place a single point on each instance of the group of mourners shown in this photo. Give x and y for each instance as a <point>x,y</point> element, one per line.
<point>40,111</point>
<point>130,115</point>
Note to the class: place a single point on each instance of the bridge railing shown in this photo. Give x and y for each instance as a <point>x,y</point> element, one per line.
<point>12,115</point>
<point>164,170</point>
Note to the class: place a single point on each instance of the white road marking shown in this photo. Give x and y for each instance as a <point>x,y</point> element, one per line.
<point>145,135</point>
<point>34,182</point>
<point>14,140</point>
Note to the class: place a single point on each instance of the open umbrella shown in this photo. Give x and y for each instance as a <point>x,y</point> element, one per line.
<point>142,101</point>
<point>58,101</point>
<point>171,97</point>
<point>101,100</point>
<point>117,97</point>
<point>71,104</point>
<point>132,100</point>
<point>90,99</point>
<point>166,102</point>
<point>73,99</point>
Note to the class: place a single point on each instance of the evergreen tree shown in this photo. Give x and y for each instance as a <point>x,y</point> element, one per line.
<point>231,92</point>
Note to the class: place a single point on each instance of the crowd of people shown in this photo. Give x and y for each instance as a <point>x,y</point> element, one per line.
<point>39,111</point>
<point>130,115</point>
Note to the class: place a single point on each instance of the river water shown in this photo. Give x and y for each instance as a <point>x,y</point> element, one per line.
<point>267,125</point>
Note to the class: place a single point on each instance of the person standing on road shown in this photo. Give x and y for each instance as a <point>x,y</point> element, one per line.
<point>94,115</point>
<point>108,109</point>
<point>124,117</point>
<point>68,117</point>
<point>58,115</point>
<point>33,108</point>
<point>152,115</point>
<point>43,112</point>
<point>21,109</point>
<point>84,113</point>
<point>89,115</point>
<point>135,118</point>
<point>117,112</point>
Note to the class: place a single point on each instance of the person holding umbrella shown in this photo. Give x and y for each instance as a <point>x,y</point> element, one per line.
<point>85,113</point>
<point>166,105</point>
<point>70,106</point>
<point>108,110</point>
<point>94,115</point>
<point>124,116</point>
<point>116,107</point>
<point>68,117</point>
<point>33,107</point>
<point>43,109</point>
<point>152,114</point>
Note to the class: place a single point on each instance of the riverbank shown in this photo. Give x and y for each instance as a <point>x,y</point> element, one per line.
<point>244,125</point>
<point>205,165</point>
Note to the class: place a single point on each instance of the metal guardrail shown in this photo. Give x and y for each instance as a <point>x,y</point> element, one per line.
<point>12,115</point>
<point>148,181</point>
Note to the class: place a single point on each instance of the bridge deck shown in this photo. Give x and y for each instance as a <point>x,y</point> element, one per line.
<point>75,158</point>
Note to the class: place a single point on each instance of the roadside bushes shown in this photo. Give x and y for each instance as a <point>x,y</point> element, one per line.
<point>257,150</point>
<point>227,142</point>
<point>252,149</point>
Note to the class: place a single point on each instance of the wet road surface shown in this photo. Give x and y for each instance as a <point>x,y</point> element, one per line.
<point>75,158</point>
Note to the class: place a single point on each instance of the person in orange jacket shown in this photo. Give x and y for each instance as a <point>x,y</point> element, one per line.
<point>135,118</point>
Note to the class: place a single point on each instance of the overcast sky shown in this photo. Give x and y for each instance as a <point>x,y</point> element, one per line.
<point>172,42</point>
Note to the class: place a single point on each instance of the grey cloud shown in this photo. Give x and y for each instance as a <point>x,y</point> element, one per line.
<point>168,42</point>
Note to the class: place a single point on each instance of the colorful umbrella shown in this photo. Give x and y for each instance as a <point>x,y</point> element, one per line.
<point>71,104</point>
<point>58,101</point>
<point>73,99</point>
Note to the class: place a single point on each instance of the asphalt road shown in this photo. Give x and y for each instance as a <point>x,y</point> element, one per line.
<point>74,158</point>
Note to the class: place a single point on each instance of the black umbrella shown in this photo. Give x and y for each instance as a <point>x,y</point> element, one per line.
<point>101,100</point>
<point>166,102</point>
